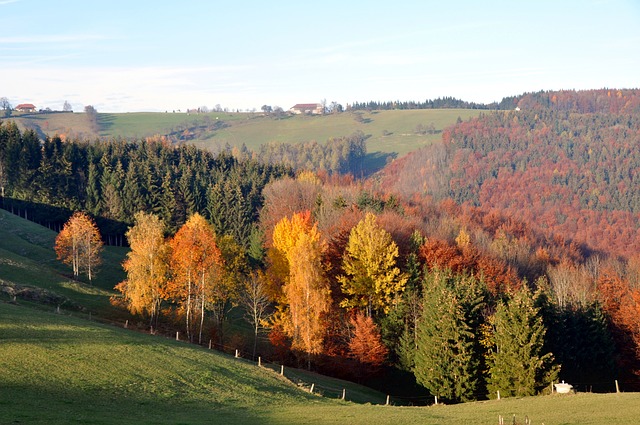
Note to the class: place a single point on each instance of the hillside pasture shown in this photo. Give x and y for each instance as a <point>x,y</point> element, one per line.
<point>57,369</point>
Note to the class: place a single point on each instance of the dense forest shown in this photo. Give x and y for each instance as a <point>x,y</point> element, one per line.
<point>501,259</point>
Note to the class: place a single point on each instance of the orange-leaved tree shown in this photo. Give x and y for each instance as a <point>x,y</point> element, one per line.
<point>146,266</point>
<point>196,264</point>
<point>79,244</point>
<point>306,295</point>
<point>366,343</point>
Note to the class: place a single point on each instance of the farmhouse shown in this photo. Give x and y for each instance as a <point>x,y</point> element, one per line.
<point>307,108</point>
<point>26,107</point>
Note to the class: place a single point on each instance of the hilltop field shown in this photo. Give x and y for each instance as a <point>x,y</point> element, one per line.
<point>393,131</point>
<point>71,365</point>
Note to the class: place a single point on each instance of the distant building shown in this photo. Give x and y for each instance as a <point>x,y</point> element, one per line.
<point>26,107</point>
<point>307,108</point>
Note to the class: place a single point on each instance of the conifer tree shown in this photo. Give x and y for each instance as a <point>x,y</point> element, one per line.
<point>518,363</point>
<point>447,356</point>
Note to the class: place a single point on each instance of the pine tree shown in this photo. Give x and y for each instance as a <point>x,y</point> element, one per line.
<point>447,356</point>
<point>518,364</point>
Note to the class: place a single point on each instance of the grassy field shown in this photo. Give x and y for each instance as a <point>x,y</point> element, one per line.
<point>57,369</point>
<point>389,131</point>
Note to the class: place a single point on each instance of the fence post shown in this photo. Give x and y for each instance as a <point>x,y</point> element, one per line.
<point>209,344</point>
<point>498,394</point>
<point>282,370</point>
<point>617,387</point>
<point>236,353</point>
<point>387,400</point>
<point>177,336</point>
<point>344,393</point>
<point>126,324</point>
<point>259,361</point>
<point>436,399</point>
<point>311,390</point>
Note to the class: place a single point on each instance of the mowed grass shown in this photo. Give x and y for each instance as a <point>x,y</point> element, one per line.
<point>57,369</point>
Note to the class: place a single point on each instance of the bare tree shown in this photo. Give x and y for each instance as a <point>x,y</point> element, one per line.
<point>255,301</point>
<point>5,106</point>
<point>67,107</point>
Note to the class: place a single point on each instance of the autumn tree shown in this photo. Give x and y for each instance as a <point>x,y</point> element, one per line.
<point>518,364</point>
<point>372,281</point>
<point>195,264</point>
<point>146,266</point>
<point>79,244</point>
<point>366,344</point>
<point>305,293</point>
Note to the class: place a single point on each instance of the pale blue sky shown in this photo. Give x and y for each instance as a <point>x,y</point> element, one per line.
<point>137,55</point>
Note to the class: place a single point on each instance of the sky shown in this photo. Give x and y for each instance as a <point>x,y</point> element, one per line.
<point>139,55</point>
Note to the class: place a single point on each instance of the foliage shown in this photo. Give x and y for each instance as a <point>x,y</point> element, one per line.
<point>196,265</point>
<point>372,281</point>
<point>518,364</point>
<point>79,245</point>
<point>146,266</point>
<point>366,344</point>
<point>447,356</point>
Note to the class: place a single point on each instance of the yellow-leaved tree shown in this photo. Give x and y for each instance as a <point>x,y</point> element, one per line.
<point>146,266</point>
<point>306,294</point>
<point>196,268</point>
<point>79,244</point>
<point>371,281</point>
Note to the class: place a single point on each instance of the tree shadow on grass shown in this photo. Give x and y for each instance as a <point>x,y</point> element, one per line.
<point>374,162</point>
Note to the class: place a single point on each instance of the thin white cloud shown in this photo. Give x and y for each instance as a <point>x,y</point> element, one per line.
<point>53,38</point>
<point>5,2</point>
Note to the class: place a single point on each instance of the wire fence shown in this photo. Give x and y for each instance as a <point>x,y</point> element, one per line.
<point>332,387</point>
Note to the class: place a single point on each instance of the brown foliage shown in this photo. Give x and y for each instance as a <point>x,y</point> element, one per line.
<point>366,344</point>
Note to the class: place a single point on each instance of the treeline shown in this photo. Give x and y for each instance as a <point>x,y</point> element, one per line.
<point>114,180</point>
<point>582,101</point>
<point>439,103</point>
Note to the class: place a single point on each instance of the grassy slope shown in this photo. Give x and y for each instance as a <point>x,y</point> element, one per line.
<point>254,130</point>
<point>57,369</point>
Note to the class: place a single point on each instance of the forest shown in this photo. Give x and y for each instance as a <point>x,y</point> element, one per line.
<point>502,259</point>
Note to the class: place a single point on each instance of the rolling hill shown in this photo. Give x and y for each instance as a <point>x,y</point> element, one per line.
<point>391,131</point>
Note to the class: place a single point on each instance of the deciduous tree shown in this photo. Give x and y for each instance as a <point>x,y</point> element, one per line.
<point>79,244</point>
<point>195,260</point>
<point>146,266</point>
<point>371,280</point>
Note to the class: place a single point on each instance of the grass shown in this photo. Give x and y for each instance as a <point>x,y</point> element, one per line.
<point>57,369</point>
<point>391,132</point>
<point>27,259</point>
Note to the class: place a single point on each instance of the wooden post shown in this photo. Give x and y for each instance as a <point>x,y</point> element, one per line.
<point>209,344</point>
<point>259,361</point>
<point>177,336</point>
<point>500,420</point>
<point>617,387</point>
<point>387,400</point>
<point>126,324</point>
<point>57,308</point>
<point>498,394</point>
<point>282,370</point>
<point>344,393</point>
<point>436,399</point>
<point>551,387</point>
<point>311,390</point>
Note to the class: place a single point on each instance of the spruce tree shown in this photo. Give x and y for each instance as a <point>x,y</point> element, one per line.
<point>447,355</point>
<point>518,364</point>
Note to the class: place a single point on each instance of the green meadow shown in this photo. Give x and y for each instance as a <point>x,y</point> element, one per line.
<point>392,132</point>
<point>69,365</point>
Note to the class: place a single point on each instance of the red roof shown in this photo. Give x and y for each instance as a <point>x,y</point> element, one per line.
<point>306,106</point>
<point>26,106</point>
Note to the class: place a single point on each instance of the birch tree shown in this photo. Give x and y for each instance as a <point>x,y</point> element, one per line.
<point>79,245</point>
